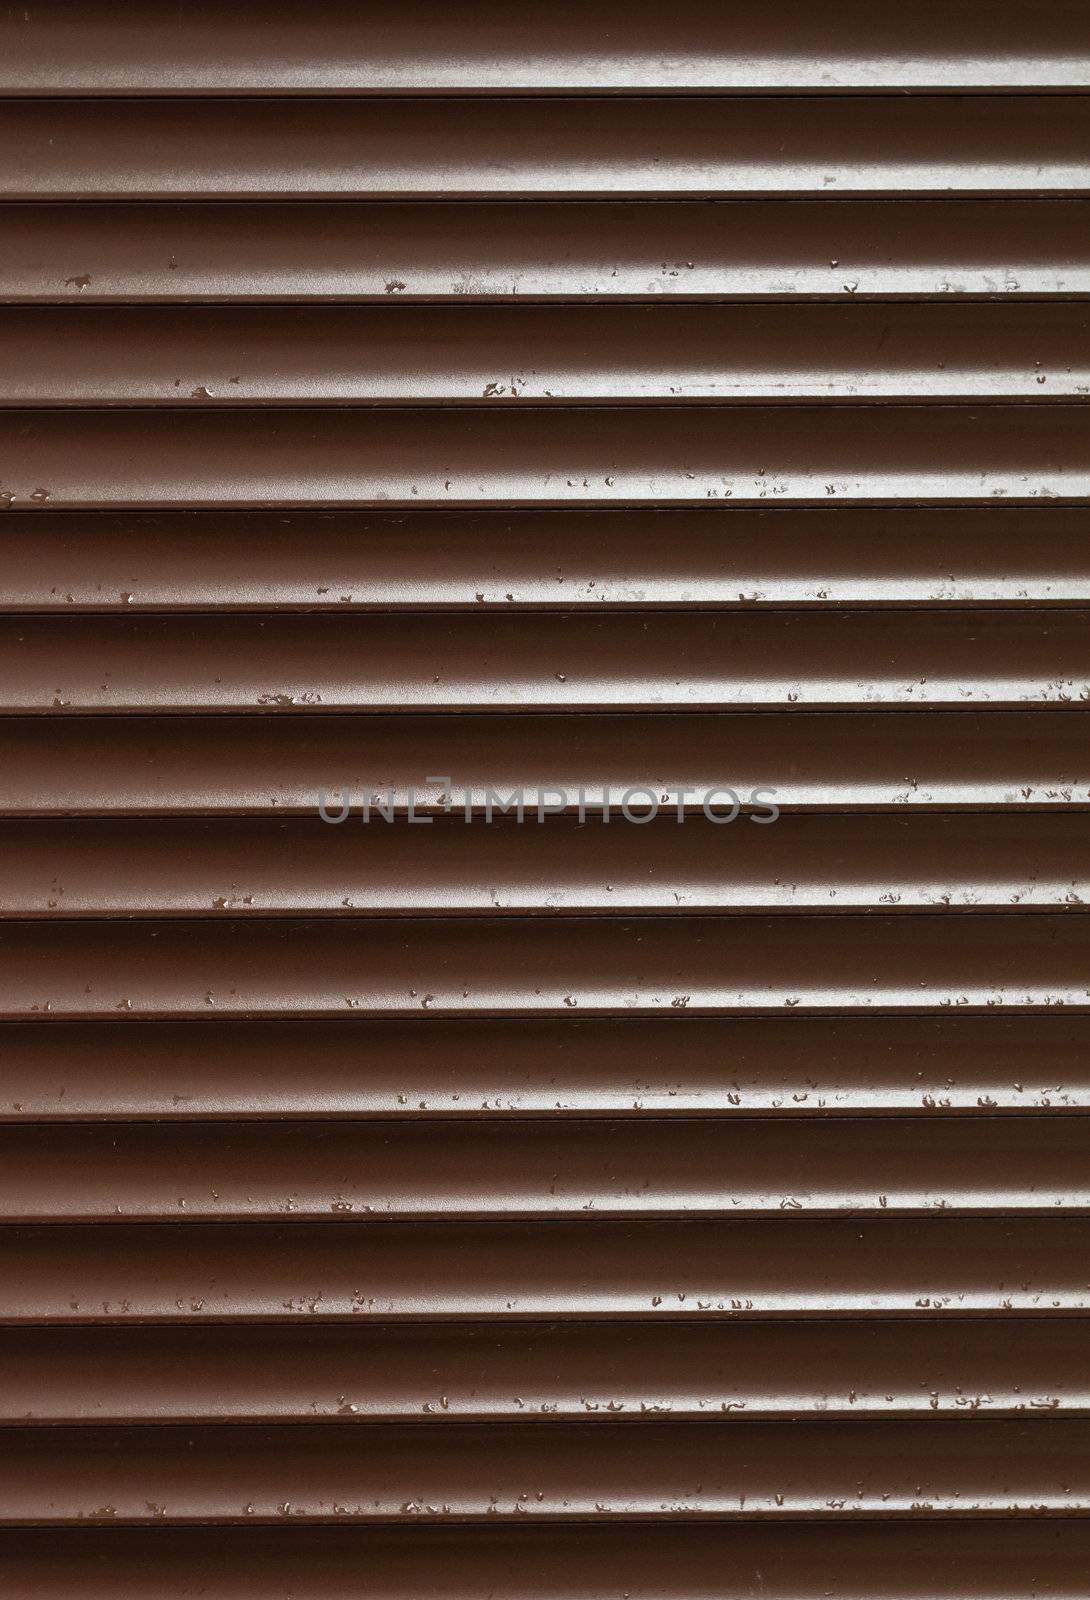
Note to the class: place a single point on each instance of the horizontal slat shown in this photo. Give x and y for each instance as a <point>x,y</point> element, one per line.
<point>541,1171</point>
<point>576,662</point>
<point>446,149</point>
<point>545,867</point>
<point>417,1271</point>
<point>193,459</point>
<point>541,355</point>
<point>347,48</point>
<point>575,1371</point>
<point>495,1068</point>
<point>967,1560</point>
<point>275,764</point>
<point>541,966</point>
<point>457,1472</point>
<point>247,211</point>
<point>813,557</point>
<point>569,250</point>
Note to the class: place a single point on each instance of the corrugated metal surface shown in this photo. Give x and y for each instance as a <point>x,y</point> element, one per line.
<point>460,148</point>
<point>569,250</point>
<point>358,47</point>
<point>582,1203</point>
<point>100,460</point>
<point>542,355</point>
<point>283,868</point>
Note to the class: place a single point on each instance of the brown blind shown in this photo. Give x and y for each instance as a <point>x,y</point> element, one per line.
<point>601,410</point>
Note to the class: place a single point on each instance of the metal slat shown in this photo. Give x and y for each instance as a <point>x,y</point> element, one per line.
<point>837,1471</point>
<point>965,1560</point>
<point>696,1179</point>
<point>547,663</point>
<point>541,355</point>
<point>533,1171</point>
<point>541,966</point>
<point>568,250</point>
<point>649,1067</point>
<point>784,1267</point>
<point>357,48</point>
<point>654,456</point>
<point>583,1372</point>
<point>256,868</point>
<point>270,765</point>
<point>816,557</point>
<point>446,149</point>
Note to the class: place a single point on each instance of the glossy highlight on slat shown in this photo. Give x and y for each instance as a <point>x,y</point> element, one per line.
<point>464,1068</point>
<point>612,48</point>
<point>839,1471</point>
<point>576,251</point>
<point>537,966</point>
<point>146,149</point>
<point>541,355</point>
<point>692,1271</point>
<point>377,458</point>
<point>505,425</point>
<point>530,1171</point>
<point>815,558</point>
<point>574,662</point>
<point>364,865</point>
<point>592,1372</point>
<point>198,766</point>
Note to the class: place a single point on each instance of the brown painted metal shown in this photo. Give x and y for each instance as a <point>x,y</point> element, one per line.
<point>60,765</point>
<point>541,355</point>
<point>589,1372</point>
<point>815,558</point>
<point>540,966</point>
<point>864,1065</point>
<point>965,1560</point>
<point>345,47</point>
<point>491,457</point>
<point>446,149</point>
<point>535,1172</point>
<point>1032,1559</point>
<point>555,866</point>
<point>744,1268</point>
<point>836,1471</point>
<point>582,1171</point>
<point>568,250</point>
<point>501,662</point>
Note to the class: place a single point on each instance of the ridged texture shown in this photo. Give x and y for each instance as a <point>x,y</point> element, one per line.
<point>541,966</point>
<point>265,868</point>
<point>853,1064</point>
<point>569,250</point>
<point>545,812</point>
<point>890,559</point>
<point>364,1271</point>
<point>562,663</point>
<point>100,460</point>
<point>457,1472</point>
<point>889,759</point>
<point>625,1169</point>
<point>349,47</point>
<point>537,355</point>
<point>504,149</point>
<point>568,1371</point>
